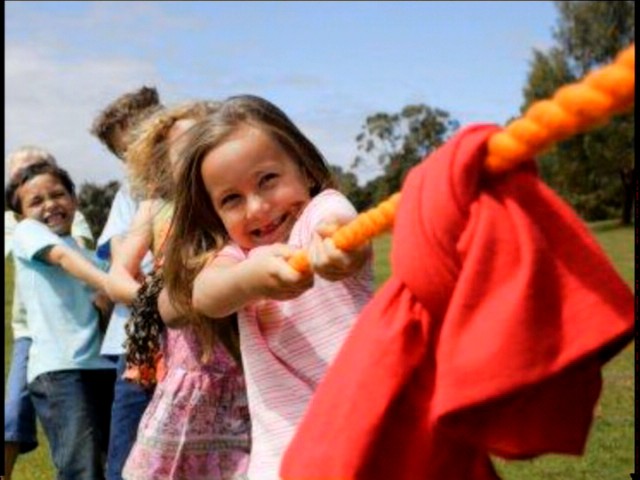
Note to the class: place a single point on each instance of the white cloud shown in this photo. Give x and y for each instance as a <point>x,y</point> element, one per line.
<point>51,103</point>
<point>65,61</point>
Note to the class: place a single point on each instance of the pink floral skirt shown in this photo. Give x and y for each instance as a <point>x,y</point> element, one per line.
<point>196,427</point>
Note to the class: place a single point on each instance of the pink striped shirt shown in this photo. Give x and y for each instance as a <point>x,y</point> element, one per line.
<point>287,345</point>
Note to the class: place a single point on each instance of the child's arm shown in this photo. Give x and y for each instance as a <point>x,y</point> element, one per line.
<point>224,286</point>
<point>331,263</point>
<point>171,317</point>
<point>126,254</point>
<point>75,264</point>
<point>34,241</point>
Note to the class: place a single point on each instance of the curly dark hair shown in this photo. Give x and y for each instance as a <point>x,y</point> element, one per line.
<point>144,330</point>
<point>145,326</point>
<point>125,112</point>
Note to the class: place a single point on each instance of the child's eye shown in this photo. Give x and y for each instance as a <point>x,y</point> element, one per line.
<point>229,200</point>
<point>268,179</point>
<point>34,202</point>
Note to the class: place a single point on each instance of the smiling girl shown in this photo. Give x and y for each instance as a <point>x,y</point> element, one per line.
<point>253,190</point>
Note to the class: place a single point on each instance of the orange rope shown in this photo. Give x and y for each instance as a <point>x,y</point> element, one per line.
<point>574,108</point>
<point>357,232</point>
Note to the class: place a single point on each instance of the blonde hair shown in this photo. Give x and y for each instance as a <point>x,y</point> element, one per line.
<point>147,158</point>
<point>28,154</point>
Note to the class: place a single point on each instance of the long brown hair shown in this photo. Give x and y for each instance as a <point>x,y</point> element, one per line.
<point>197,230</point>
<point>151,176</point>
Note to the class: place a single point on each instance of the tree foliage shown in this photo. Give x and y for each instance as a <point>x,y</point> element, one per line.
<point>593,171</point>
<point>395,143</point>
<point>94,201</point>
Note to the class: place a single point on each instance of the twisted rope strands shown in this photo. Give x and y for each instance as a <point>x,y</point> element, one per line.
<point>357,232</point>
<point>573,108</point>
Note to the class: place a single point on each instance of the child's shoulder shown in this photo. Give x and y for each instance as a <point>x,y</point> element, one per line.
<point>29,226</point>
<point>329,199</point>
<point>31,237</point>
<point>329,202</point>
<point>328,205</point>
<point>327,194</point>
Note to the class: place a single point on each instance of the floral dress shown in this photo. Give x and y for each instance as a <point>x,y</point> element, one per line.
<point>197,425</point>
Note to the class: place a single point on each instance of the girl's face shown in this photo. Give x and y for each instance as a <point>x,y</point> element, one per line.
<point>256,188</point>
<point>44,198</point>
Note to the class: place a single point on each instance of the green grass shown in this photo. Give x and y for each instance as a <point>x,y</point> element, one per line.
<point>609,453</point>
<point>37,464</point>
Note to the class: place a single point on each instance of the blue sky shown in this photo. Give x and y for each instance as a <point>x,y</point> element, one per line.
<point>327,64</point>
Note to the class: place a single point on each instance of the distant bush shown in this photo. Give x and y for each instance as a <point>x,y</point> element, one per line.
<point>94,201</point>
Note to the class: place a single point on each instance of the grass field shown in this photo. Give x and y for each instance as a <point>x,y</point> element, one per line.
<point>610,449</point>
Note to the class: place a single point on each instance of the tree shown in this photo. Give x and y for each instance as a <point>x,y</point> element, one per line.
<point>348,185</point>
<point>94,202</point>
<point>397,142</point>
<point>594,171</point>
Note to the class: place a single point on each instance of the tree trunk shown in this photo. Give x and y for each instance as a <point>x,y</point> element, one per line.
<point>628,184</point>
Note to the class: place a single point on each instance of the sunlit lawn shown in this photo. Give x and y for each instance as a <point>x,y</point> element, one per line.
<point>610,449</point>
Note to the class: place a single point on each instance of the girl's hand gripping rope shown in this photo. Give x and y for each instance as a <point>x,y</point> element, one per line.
<point>274,277</point>
<point>331,262</point>
<point>353,237</point>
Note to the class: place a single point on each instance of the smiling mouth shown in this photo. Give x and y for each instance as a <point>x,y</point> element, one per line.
<point>55,218</point>
<point>271,228</point>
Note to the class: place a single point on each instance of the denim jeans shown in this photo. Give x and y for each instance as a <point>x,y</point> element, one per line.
<point>19,414</point>
<point>74,408</point>
<point>129,403</point>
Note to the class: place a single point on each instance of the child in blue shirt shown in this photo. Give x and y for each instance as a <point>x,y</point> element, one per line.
<point>70,384</point>
<point>19,413</point>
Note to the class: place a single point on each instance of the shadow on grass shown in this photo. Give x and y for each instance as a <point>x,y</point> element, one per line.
<point>606,225</point>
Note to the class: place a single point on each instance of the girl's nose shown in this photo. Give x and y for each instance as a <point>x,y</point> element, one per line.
<point>255,205</point>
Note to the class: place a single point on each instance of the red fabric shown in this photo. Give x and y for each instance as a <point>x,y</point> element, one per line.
<point>488,338</point>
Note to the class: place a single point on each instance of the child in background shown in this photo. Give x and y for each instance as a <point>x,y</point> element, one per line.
<point>114,128</point>
<point>197,424</point>
<point>70,384</point>
<point>23,157</point>
<point>19,414</point>
<point>254,189</point>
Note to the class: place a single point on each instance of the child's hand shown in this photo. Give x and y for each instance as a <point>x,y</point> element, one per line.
<point>274,277</point>
<point>330,262</point>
